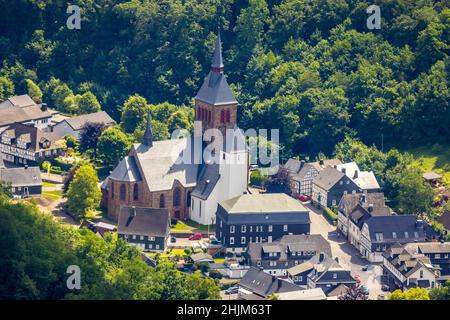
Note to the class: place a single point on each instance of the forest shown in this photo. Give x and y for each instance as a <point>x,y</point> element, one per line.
<point>309,68</point>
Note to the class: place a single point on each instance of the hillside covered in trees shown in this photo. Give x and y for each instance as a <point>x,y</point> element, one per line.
<point>310,68</point>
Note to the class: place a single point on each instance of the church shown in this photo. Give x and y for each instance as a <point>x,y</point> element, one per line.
<point>150,175</point>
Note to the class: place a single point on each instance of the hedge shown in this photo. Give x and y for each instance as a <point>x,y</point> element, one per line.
<point>330,215</point>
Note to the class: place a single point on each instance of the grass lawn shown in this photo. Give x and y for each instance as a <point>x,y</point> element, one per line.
<point>193,224</point>
<point>433,158</point>
<point>219,260</point>
<point>181,226</point>
<point>46,184</point>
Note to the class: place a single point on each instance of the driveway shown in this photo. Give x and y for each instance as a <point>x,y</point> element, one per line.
<point>348,256</point>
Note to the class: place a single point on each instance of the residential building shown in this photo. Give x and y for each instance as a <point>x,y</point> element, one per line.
<point>26,145</point>
<point>406,268</point>
<point>325,273</point>
<point>258,285</point>
<point>259,218</point>
<point>173,174</point>
<point>308,294</point>
<point>22,109</point>
<point>329,187</point>
<point>24,181</point>
<point>291,250</point>
<point>438,253</point>
<point>365,180</point>
<point>303,173</point>
<point>146,228</point>
<point>355,209</point>
<point>380,232</point>
<point>74,125</point>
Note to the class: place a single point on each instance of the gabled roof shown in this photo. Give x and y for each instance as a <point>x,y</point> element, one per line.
<point>400,225</point>
<point>327,178</point>
<point>445,219</point>
<point>431,176</point>
<point>22,114</point>
<point>127,170</point>
<point>350,201</point>
<point>17,101</point>
<point>21,177</point>
<point>264,284</point>
<point>147,221</point>
<point>366,180</point>
<point>33,136</point>
<point>78,122</point>
<point>209,176</point>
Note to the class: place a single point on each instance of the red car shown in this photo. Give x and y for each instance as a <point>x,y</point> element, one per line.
<point>304,198</point>
<point>357,278</point>
<point>195,236</point>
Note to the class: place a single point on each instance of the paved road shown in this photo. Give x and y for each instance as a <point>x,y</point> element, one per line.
<point>348,256</point>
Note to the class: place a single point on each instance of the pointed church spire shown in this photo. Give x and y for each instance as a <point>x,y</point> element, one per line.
<point>148,135</point>
<point>217,60</point>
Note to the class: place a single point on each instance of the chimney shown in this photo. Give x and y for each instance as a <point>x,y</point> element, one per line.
<point>370,209</point>
<point>419,224</point>
<point>355,176</point>
<point>335,166</point>
<point>321,162</point>
<point>362,198</point>
<point>26,166</point>
<point>44,107</point>
<point>321,257</point>
<point>343,170</point>
<point>336,259</point>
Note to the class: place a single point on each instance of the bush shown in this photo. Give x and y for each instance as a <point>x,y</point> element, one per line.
<point>71,142</point>
<point>230,284</point>
<point>330,215</point>
<point>257,179</point>
<point>214,274</point>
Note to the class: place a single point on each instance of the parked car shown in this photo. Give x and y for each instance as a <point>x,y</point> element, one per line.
<point>366,267</point>
<point>173,239</point>
<point>381,296</point>
<point>365,290</point>
<point>195,236</point>
<point>304,198</point>
<point>232,290</point>
<point>385,288</point>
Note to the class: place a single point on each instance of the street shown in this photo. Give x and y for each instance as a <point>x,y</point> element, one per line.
<point>348,256</point>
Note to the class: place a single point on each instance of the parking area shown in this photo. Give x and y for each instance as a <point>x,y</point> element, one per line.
<point>348,256</point>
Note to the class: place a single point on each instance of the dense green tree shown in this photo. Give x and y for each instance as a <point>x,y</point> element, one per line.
<point>88,103</point>
<point>441,293</point>
<point>34,92</point>
<point>83,194</point>
<point>113,145</point>
<point>410,294</point>
<point>134,113</point>
<point>89,137</point>
<point>6,88</point>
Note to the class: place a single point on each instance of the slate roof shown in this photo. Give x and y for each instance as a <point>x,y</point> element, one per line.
<point>327,178</point>
<point>22,114</point>
<point>299,169</point>
<point>78,122</point>
<point>398,224</point>
<point>196,257</point>
<point>147,222</point>
<point>366,180</point>
<point>302,242</point>
<point>127,170</point>
<point>31,135</point>
<point>159,165</point>
<point>325,163</point>
<point>262,203</point>
<point>215,89</point>
<point>444,219</point>
<point>350,201</point>
<point>17,101</point>
<point>429,247</point>
<point>209,176</point>
<point>431,176</point>
<point>308,294</point>
<point>21,177</point>
<point>264,284</point>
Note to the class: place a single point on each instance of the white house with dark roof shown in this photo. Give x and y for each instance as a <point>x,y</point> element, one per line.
<point>365,180</point>
<point>24,181</point>
<point>74,125</point>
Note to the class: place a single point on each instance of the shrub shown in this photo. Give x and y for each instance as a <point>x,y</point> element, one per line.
<point>330,215</point>
<point>214,274</point>
<point>71,142</point>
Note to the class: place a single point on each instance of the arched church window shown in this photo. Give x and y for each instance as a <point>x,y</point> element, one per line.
<point>209,116</point>
<point>188,199</point>
<point>228,116</point>
<point>222,116</point>
<point>123,192</point>
<point>176,197</point>
<point>136,192</point>
<point>112,190</point>
<point>162,201</point>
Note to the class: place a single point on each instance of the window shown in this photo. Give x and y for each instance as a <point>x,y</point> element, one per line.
<point>416,234</point>
<point>188,199</point>
<point>333,202</point>
<point>157,246</point>
<point>162,201</point>
<point>406,234</point>
<point>421,273</point>
<point>273,263</point>
<point>123,192</point>
<point>258,263</point>
<point>228,116</point>
<point>341,182</point>
<point>251,228</point>
<point>136,192</point>
<point>243,240</point>
<point>285,228</point>
<point>334,275</point>
<point>270,228</point>
<point>176,197</point>
<point>379,236</point>
<point>231,229</point>
<point>221,223</point>
<point>134,237</point>
<point>112,190</point>
<point>142,237</point>
<point>394,235</point>
<point>222,116</point>
<point>232,240</point>
<point>437,256</point>
<point>243,228</point>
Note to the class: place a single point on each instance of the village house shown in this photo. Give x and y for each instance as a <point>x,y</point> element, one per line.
<point>329,187</point>
<point>355,209</point>
<point>406,268</point>
<point>303,173</point>
<point>259,285</point>
<point>26,145</point>
<point>291,250</point>
<point>365,180</point>
<point>380,232</point>
<point>146,228</point>
<point>259,218</point>
<point>167,174</point>
<point>74,126</point>
<point>24,181</point>
<point>22,109</point>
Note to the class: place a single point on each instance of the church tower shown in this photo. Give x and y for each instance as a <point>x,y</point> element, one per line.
<point>215,104</point>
